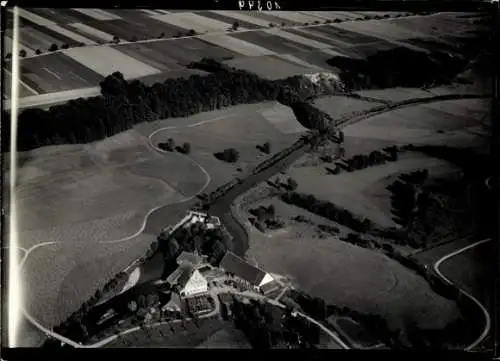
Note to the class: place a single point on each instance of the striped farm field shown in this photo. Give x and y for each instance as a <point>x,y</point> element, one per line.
<point>270,19</point>
<point>193,21</point>
<point>53,29</point>
<point>270,67</point>
<point>225,16</point>
<point>237,45</point>
<point>376,28</point>
<point>244,17</point>
<point>338,106</point>
<point>295,17</point>
<point>105,60</point>
<point>349,38</point>
<point>272,42</point>
<point>57,72</point>
<point>170,54</point>
<point>97,14</point>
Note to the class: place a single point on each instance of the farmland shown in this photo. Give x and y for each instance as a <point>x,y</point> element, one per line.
<point>378,285</point>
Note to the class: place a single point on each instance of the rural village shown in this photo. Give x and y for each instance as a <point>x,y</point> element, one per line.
<point>245,179</point>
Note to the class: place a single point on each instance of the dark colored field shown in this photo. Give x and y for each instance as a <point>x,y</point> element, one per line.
<point>152,269</point>
<point>370,49</point>
<point>146,29</point>
<point>60,16</point>
<point>228,19</point>
<point>97,39</point>
<point>272,42</point>
<point>357,333</point>
<point>167,54</point>
<point>473,270</point>
<point>57,72</point>
<point>343,35</point>
<point>46,31</point>
<point>330,40</point>
<point>431,45</point>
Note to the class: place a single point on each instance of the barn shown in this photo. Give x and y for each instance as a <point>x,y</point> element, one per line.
<point>240,268</point>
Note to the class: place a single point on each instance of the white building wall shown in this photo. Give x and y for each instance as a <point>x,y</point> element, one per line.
<point>197,284</point>
<point>267,278</point>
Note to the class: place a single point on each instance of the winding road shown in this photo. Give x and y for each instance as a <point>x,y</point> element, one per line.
<point>221,207</point>
<point>487,325</point>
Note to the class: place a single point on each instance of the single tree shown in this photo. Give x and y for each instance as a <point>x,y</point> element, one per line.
<point>65,46</point>
<point>236,25</point>
<point>266,147</point>
<point>22,53</point>
<point>191,32</point>
<point>8,56</point>
<point>162,35</point>
<point>133,39</point>
<point>53,47</point>
<point>186,148</point>
<point>38,51</point>
<point>292,184</point>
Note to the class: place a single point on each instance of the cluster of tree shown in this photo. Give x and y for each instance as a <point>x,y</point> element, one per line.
<point>181,34</point>
<point>409,201</point>
<point>265,326</point>
<point>376,157</point>
<point>360,241</point>
<point>265,218</point>
<point>398,66</point>
<point>195,238</point>
<point>229,155</point>
<point>264,148</point>
<point>328,229</point>
<point>313,306</point>
<point>310,116</point>
<point>170,146</point>
<point>328,210</point>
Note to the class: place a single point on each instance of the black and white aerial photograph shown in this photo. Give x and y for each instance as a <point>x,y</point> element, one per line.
<point>248,179</point>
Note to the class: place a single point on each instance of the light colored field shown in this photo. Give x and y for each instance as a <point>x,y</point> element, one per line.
<point>59,278</point>
<point>283,119</point>
<point>298,17</point>
<point>330,15</point>
<point>92,31</point>
<point>269,67</point>
<point>294,59</point>
<point>379,28</point>
<point>338,106</point>
<point>241,127</point>
<point>375,284</point>
<point>228,337</point>
<point>132,279</point>
<point>239,46</point>
<point>55,98</point>
<point>394,94</point>
<point>347,189</point>
<point>240,15</point>
<point>98,14</point>
<point>189,21</point>
<point>297,38</point>
<point>98,192</point>
<point>105,60</point>
<point>419,124</point>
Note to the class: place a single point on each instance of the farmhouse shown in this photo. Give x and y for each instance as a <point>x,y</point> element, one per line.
<point>173,305</point>
<point>240,268</point>
<point>188,281</point>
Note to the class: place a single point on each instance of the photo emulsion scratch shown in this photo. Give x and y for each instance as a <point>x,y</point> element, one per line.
<point>248,179</point>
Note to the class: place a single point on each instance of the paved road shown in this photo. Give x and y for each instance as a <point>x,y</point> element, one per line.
<point>487,325</point>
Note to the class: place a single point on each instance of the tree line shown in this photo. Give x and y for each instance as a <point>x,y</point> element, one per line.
<point>122,104</point>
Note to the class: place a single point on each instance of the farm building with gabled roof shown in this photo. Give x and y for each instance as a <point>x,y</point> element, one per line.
<point>188,280</point>
<point>242,269</point>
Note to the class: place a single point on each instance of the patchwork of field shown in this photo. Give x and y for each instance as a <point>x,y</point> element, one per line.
<point>378,285</point>
<point>171,54</point>
<point>308,46</point>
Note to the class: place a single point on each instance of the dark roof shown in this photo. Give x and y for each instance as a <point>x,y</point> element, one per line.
<point>234,264</point>
<point>188,257</point>
<point>269,287</point>
<point>181,275</point>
